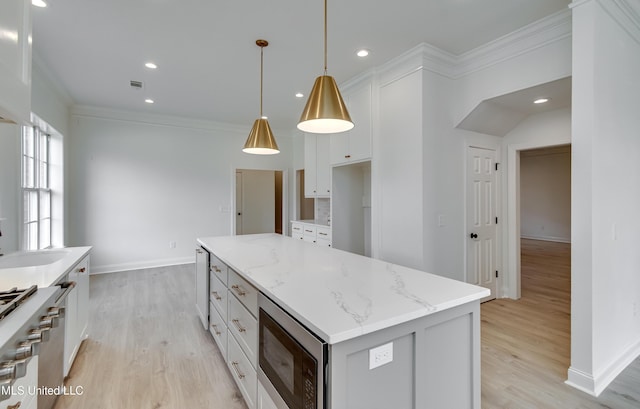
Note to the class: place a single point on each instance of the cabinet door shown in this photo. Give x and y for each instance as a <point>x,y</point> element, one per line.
<point>340,147</point>
<point>310,165</point>
<point>202,286</point>
<point>354,145</point>
<point>360,135</point>
<point>15,60</point>
<point>70,325</point>
<point>323,168</point>
<point>82,284</point>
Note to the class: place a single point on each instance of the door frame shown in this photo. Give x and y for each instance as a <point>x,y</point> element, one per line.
<point>512,231</point>
<point>498,203</point>
<point>285,196</point>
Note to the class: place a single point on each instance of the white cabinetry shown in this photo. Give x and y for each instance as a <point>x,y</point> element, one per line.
<point>233,311</point>
<point>23,395</point>
<point>354,145</point>
<point>15,60</point>
<point>311,232</point>
<point>76,318</point>
<point>317,171</point>
<point>202,286</point>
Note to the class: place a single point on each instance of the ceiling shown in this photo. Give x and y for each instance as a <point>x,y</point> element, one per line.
<point>209,64</point>
<point>499,115</point>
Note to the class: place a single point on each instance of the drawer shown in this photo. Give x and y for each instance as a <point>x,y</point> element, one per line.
<point>218,295</point>
<point>246,293</point>
<point>218,268</point>
<point>323,233</point>
<point>309,230</point>
<point>218,329</point>
<point>297,235</point>
<point>243,373</point>
<point>244,327</point>
<point>323,242</point>
<point>296,228</point>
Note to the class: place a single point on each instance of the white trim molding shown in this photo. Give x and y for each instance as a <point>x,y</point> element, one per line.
<point>139,265</point>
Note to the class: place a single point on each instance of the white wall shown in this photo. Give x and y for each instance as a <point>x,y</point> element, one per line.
<point>605,331</point>
<point>137,182</point>
<point>9,186</point>
<point>545,194</point>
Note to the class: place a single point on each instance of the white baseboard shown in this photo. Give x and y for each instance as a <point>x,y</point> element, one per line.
<point>114,268</point>
<point>595,385</point>
<point>547,238</point>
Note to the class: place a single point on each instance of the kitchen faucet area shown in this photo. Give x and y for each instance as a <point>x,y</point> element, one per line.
<point>319,204</point>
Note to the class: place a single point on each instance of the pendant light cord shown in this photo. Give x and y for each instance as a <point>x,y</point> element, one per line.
<point>261,69</point>
<point>325,37</point>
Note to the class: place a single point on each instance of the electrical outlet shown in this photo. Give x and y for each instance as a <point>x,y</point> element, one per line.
<point>635,309</point>
<point>172,244</point>
<point>380,355</point>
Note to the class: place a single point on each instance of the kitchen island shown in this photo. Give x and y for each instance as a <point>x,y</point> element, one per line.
<point>354,304</point>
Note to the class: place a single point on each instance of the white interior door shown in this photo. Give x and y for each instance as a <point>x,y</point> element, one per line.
<point>482,219</point>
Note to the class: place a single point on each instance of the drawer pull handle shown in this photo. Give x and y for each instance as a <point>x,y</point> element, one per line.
<point>240,291</point>
<point>216,295</point>
<point>308,231</point>
<point>322,234</point>
<point>347,156</point>
<point>235,367</point>
<point>238,326</point>
<point>82,270</point>
<point>215,329</point>
<point>216,268</point>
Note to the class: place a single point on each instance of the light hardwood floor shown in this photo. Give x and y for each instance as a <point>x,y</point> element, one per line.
<point>526,342</point>
<point>147,348</point>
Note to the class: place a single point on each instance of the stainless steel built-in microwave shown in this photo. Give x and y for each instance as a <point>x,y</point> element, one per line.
<point>292,360</point>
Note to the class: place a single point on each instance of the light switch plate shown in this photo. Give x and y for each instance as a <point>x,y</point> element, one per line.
<point>381,355</point>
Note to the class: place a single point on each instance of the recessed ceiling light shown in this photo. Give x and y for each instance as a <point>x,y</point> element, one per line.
<point>362,53</point>
<point>149,101</point>
<point>541,100</point>
<point>39,3</point>
<point>299,95</point>
<point>151,65</point>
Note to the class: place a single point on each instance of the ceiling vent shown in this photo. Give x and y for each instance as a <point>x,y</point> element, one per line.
<point>136,84</point>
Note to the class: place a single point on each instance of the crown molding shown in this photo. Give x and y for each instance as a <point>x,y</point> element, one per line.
<point>626,14</point>
<point>545,31</point>
<point>88,111</point>
<point>548,30</point>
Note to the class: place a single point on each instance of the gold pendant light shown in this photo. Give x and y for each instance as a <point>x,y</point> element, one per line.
<point>261,140</point>
<point>325,111</point>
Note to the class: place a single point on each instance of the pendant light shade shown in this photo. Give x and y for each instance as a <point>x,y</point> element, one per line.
<point>325,111</point>
<point>261,140</point>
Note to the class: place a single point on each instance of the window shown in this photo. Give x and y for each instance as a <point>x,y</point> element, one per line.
<point>36,192</point>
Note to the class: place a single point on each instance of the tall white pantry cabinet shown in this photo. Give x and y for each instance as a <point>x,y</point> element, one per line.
<point>15,61</point>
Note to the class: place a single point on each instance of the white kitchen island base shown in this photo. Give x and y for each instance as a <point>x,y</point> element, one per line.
<point>428,326</point>
<point>436,364</point>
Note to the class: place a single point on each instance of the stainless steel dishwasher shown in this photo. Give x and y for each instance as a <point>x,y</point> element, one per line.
<point>51,359</point>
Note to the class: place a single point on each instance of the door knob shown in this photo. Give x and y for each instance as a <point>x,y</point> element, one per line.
<point>473,236</point>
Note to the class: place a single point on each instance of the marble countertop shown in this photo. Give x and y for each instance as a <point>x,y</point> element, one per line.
<point>41,275</point>
<point>336,294</point>
<point>311,221</point>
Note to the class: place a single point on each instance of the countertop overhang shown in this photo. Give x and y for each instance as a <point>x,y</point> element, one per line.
<point>336,294</point>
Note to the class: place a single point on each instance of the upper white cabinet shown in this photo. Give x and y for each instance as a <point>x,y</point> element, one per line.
<point>317,171</point>
<point>15,60</point>
<point>354,145</point>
